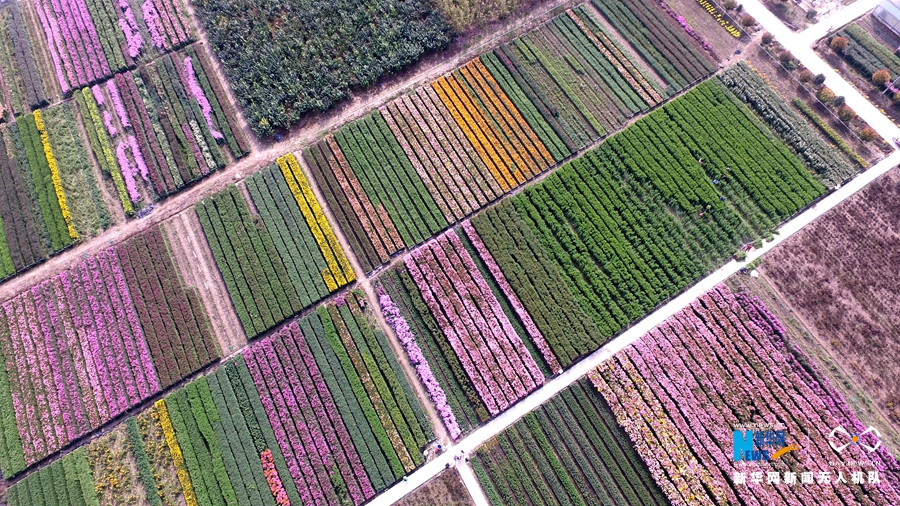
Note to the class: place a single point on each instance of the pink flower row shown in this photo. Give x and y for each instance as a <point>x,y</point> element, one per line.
<point>395,319</point>
<point>492,353</point>
<point>72,39</point>
<point>679,391</point>
<point>75,355</point>
<point>539,341</point>
<point>307,425</point>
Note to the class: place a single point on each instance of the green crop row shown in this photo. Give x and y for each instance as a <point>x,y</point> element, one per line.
<point>65,482</point>
<point>569,451</point>
<point>388,178</point>
<point>254,273</point>
<point>747,85</point>
<point>867,54</point>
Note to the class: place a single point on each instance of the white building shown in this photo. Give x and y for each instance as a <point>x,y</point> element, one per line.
<point>888,12</point>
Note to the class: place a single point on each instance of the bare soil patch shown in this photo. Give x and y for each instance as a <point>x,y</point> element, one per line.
<point>839,275</point>
<point>446,489</point>
<point>722,42</point>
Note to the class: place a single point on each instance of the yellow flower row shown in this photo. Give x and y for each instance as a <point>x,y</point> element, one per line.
<point>339,271</point>
<point>175,449</point>
<point>519,150</point>
<point>714,12</point>
<point>536,148</point>
<point>481,145</point>
<point>345,268</point>
<point>54,174</point>
<point>107,152</point>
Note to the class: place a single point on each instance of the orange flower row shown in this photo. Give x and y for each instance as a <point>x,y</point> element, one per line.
<point>486,147</point>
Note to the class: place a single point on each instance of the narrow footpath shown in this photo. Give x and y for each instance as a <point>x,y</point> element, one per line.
<point>799,44</point>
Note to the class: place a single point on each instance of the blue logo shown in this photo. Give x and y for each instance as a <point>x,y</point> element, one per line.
<point>767,445</point>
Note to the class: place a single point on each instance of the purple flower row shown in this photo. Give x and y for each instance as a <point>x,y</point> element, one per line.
<point>113,91</point>
<point>199,96</point>
<point>129,171</point>
<point>533,332</point>
<point>72,39</point>
<point>395,319</point>
<point>130,29</point>
<point>151,18</point>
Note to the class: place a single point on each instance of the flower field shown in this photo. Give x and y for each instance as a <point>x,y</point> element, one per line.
<point>679,409</point>
<point>319,412</point>
<point>278,256</point>
<point>606,238</point>
<point>90,40</point>
<point>91,342</point>
<point>48,197</point>
<point>159,127</point>
<point>344,415</point>
<point>476,335</point>
<point>568,451</point>
<point>447,149</point>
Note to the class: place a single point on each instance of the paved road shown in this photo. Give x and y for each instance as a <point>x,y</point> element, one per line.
<point>798,44</point>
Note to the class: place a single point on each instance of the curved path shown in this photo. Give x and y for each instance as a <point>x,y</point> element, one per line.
<point>799,45</point>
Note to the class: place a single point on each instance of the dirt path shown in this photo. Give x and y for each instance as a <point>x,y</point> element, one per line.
<point>198,269</point>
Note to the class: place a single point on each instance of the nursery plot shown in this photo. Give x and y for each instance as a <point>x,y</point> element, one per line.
<point>828,275</point>
<point>748,86</point>
<point>91,342</point>
<point>605,239</point>
<point>278,258</point>
<point>474,331</point>
<point>346,419</point>
<point>447,149</point>
<point>90,40</point>
<point>48,196</point>
<point>724,361</point>
<point>569,449</point>
<point>160,127</point>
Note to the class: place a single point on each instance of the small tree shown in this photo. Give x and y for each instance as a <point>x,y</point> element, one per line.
<point>846,113</point>
<point>868,134</point>
<point>881,76</point>
<point>825,95</point>
<point>767,38</point>
<point>838,101</point>
<point>748,21</point>
<point>819,79</point>
<point>787,60</point>
<point>730,4</point>
<point>811,14</point>
<point>805,76</point>
<point>896,98</point>
<point>838,44</point>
